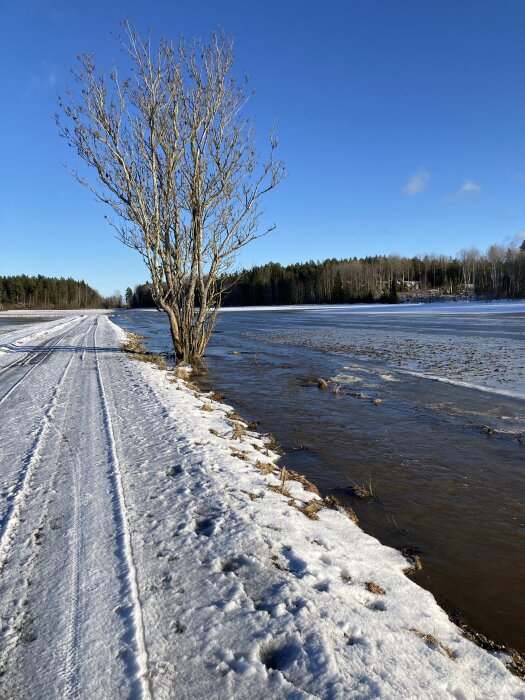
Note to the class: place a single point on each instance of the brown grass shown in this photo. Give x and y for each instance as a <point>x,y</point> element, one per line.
<point>238,431</point>
<point>335,504</point>
<point>265,467</point>
<point>215,396</point>
<point>215,432</point>
<point>322,383</point>
<point>133,344</point>
<point>207,407</point>
<point>134,347</point>
<point>374,588</point>
<point>272,444</point>
<point>307,485</point>
<point>240,455</point>
<point>417,564</point>
<point>282,488</point>
<point>233,415</point>
<point>311,508</point>
<point>377,402</point>
<point>433,642</point>
<point>363,490</point>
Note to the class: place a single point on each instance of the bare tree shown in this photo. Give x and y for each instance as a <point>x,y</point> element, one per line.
<point>177,163</point>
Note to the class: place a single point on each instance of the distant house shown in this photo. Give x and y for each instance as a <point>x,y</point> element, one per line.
<point>411,284</point>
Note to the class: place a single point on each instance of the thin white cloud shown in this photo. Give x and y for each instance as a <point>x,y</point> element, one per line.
<point>417,183</point>
<point>46,80</point>
<point>468,187</point>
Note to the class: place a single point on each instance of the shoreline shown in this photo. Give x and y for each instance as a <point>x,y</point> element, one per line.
<point>516,660</point>
<point>244,585</point>
<point>515,664</point>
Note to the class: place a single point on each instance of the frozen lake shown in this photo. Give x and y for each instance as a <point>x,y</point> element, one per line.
<point>429,404</point>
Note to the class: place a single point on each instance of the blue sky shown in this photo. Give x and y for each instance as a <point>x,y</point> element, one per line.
<point>402,124</point>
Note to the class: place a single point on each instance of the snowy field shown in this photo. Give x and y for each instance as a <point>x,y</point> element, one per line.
<point>149,548</point>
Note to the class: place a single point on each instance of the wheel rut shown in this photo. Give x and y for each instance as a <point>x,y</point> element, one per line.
<point>18,494</point>
<point>131,610</point>
<point>33,360</point>
<point>14,625</point>
<point>65,539</point>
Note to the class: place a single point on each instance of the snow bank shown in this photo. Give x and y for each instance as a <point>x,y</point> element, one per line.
<point>253,597</point>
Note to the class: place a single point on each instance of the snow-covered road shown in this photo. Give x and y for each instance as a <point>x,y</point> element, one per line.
<point>149,549</point>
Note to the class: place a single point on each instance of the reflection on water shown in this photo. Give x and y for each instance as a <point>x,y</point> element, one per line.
<point>445,461</point>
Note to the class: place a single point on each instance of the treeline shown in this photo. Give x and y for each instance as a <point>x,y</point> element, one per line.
<point>499,273</point>
<point>23,292</point>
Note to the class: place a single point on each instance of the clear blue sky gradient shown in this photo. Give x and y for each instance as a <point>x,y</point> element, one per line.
<point>364,95</point>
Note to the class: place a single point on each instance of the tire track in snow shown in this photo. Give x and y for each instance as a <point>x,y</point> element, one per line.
<point>16,618</point>
<point>11,517</point>
<point>25,361</point>
<point>136,660</point>
<point>72,670</point>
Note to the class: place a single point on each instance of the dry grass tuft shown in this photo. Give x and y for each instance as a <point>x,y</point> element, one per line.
<point>282,488</point>
<point>433,642</point>
<point>322,383</point>
<point>265,467</point>
<point>238,431</point>
<point>207,407</point>
<point>363,490</point>
<point>311,508</point>
<point>133,344</point>
<point>240,455</point>
<point>181,373</point>
<point>134,347</point>
<point>335,504</point>
<point>157,360</point>
<point>215,432</point>
<point>233,416</point>
<point>215,396</point>
<point>272,444</point>
<point>377,402</point>
<point>374,588</point>
<point>417,564</point>
<point>307,485</point>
